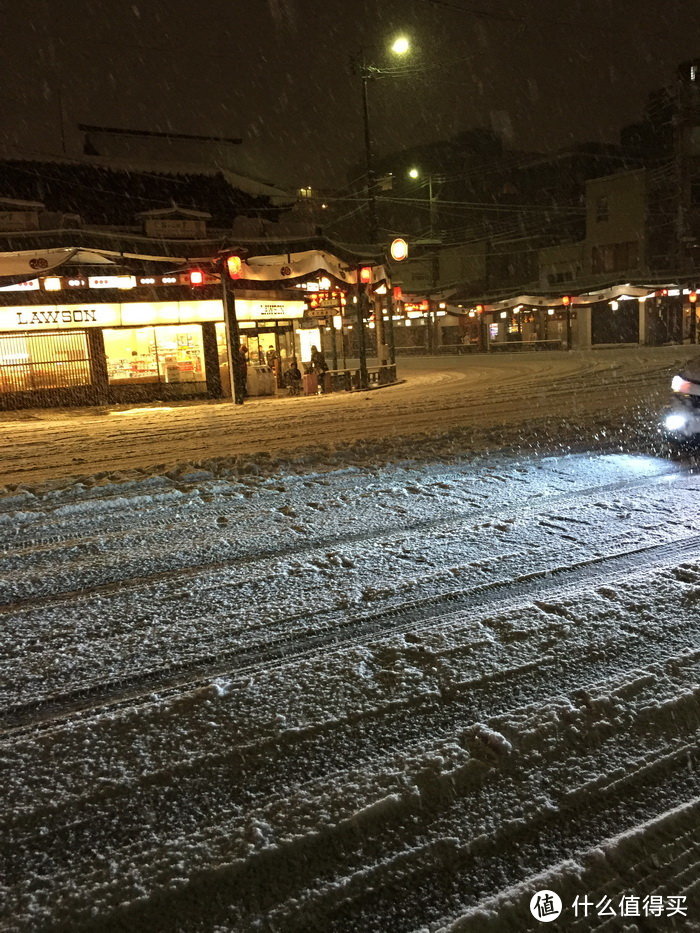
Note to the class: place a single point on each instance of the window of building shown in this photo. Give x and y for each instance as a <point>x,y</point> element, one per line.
<point>556,278</point>
<point>154,354</point>
<point>44,361</point>
<point>615,257</point>
<point>602,209</point>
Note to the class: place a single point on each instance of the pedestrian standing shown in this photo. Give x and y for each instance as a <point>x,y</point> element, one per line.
<point>240,374</point>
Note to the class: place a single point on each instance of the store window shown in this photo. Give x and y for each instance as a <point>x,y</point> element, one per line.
<point>44,361</point>
<point>172,354</point>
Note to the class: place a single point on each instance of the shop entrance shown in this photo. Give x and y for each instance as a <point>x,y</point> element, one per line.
<point>269,345</point>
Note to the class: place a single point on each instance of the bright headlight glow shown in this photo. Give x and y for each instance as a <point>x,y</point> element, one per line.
<point>674,422</point>
<point>679,384</point>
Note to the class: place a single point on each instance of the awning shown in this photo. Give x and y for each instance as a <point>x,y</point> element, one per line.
<point>279,267</point>
<point>290,267</point>
<point>33,262</point>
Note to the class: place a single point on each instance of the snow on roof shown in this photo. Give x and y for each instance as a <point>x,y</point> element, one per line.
<point>175,211</point>
<point>252,186</point>
<point>13,203</point>
<point>261,189</point>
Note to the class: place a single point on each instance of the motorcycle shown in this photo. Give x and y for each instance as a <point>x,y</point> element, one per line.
<point>681,422</point>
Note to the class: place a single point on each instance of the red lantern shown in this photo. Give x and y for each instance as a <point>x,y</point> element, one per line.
<point>196,277</point>
<point>366,275</point>
<point>234,264</point>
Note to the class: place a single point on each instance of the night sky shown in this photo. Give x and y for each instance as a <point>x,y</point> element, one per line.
<point>278,72</point>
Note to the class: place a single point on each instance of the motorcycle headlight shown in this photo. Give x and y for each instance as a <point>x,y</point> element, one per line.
<point>675,421</point>
<point>680,385</point>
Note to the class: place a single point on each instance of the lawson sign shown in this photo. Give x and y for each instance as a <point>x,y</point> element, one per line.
<point>141,313</point>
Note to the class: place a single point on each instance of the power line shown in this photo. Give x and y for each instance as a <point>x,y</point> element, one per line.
<point>491,14</point>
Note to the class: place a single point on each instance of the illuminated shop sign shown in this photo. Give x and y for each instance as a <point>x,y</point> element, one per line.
<point>31,286</point>
<point>59,316</point>
<point>136,313</point>
<point>248,310</point>
<point>111,281</point>
<point>417,306</point>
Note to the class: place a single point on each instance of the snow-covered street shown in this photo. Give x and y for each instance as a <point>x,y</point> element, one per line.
<point>367,663</point>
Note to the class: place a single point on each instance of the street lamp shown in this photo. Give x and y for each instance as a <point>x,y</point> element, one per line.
<point>414,174</point>
<point>400,46</point>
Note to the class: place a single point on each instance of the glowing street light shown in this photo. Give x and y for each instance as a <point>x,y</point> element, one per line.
<point>401,45</point>
<point>414,174</point>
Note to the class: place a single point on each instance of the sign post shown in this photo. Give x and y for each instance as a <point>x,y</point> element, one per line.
<point>236,363</point>
<point>566,300</point>
<point>362,306</point>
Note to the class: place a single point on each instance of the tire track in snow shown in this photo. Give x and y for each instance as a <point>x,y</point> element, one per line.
<point>420,845</point>
<point>257,553</point>
<point>284,646</point>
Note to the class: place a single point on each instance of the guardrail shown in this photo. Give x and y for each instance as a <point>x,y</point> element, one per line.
<point>452,349</point>
<point>506,345</point>
<point>345,380</point>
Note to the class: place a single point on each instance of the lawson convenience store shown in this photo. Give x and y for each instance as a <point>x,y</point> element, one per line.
<point>95,353</point>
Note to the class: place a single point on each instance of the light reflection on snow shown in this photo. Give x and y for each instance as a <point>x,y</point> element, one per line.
<point>138,411</point>
<point>635,463</point>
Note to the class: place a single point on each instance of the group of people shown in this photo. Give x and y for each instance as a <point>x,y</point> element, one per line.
<point>291,375</point>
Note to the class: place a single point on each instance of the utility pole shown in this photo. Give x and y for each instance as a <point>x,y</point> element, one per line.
<point>334,334</point>
<point>391,341</point>
<point>373,227</point>
<point>692,299</point>
<point>379,330</point>
<point>362,307</point>
<point>567,303</point>
<point>236,365</point>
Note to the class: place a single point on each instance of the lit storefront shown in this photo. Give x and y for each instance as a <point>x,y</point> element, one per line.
<point>85,330</point>
<point>91,353</point>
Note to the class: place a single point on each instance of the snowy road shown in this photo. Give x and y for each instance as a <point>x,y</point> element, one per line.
<point>476,397</point>
<point>396,686</point>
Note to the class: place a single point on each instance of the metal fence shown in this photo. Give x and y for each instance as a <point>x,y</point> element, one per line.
<point>29,362</point>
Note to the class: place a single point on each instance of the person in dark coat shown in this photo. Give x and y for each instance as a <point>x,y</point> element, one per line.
<point>292,377</point>
<point>240,374</point>
<point>318,361</point>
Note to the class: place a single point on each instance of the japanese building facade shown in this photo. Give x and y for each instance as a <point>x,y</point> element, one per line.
<point>129,339</point>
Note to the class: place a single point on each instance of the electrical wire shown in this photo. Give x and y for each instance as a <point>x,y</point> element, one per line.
<point>495,15</point>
